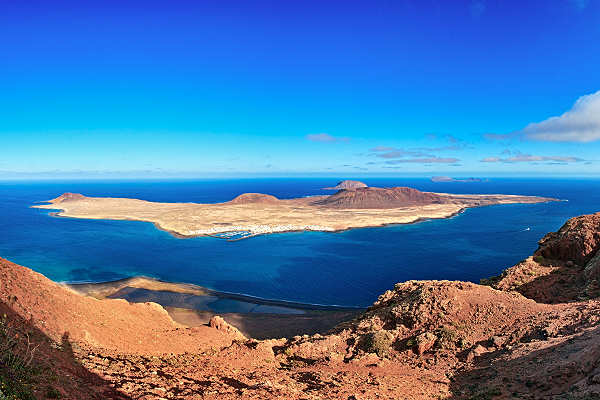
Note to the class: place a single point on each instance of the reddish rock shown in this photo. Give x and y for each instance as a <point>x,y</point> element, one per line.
<point>220,324</point>
<point>578,240</point>
<point>497,341</point>
<point>424,342</point>
<point>476,352</point>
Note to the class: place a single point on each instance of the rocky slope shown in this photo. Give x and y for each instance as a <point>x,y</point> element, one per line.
<point>533,335</point>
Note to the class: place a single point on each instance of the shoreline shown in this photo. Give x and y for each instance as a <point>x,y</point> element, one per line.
<point>106,289</point>
<point>192,305</point>
<point>178,235</point>
<point>234,220</point>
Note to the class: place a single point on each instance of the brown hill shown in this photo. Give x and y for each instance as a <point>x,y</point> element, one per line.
<point>67,197</point>
<point>372,197</point>
<point>253,198</point>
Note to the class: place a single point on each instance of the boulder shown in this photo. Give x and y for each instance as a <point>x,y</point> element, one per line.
<point>220,324</point>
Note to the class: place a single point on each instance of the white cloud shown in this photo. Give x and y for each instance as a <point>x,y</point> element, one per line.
<point>580,124</point>
<point>491,159</point>
<point>382,148</point>
<point>430,160</point>
<point>399,153</point>
<point>531,158</point>
<point>326,138</point>
<point>455,144</point>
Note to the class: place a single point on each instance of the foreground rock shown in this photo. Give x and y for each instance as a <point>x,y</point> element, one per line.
<point>420,340</point>
<point>565,267</point>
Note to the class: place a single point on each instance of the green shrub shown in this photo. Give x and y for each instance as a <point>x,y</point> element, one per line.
<point>16,356</point>
<point>447,337</point>
<point>379,342</point>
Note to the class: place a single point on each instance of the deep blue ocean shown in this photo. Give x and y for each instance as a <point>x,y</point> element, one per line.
<point>348,268</point>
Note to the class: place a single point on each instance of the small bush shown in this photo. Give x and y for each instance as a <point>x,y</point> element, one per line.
<point>379,343</point>
<point>539,259</point>
<point>447,337</point>
<point>16,356</point>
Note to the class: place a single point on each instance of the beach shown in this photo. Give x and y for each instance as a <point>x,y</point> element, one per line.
<point>192,305</point>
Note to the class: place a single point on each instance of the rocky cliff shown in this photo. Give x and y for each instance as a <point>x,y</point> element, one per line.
<point>531,333</point>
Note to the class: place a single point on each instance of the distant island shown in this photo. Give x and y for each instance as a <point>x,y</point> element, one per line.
<point>450,179</point>
<point>252,214</point>
<point>347,185</point>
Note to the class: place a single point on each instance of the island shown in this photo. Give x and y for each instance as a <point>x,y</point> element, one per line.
<point>347,185</point>
<point>252,214</point>
<point>451,179</point>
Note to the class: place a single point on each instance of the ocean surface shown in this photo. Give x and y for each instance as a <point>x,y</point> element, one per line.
<point>348,268</point>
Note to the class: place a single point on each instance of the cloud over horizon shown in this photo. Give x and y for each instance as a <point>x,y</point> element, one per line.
<point>400,153</point>
<point>422,153</point>
<point>531,158</point>
<point>580,124</point>
<point>430,160</point>
<point>325,138</point>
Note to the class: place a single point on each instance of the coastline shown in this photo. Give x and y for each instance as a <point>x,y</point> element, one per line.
<point>107,289</point>
<point>254,214</point>
<point>252,231</point>
<point>192,305</point>
<point>178,235</point>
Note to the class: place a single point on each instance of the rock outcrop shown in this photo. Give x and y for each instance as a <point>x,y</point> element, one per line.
<point>565,267</point>
<point>220,324</point>
<point>578,240</point>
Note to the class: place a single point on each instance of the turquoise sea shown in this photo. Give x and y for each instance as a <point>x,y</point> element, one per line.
<point>348,268</point>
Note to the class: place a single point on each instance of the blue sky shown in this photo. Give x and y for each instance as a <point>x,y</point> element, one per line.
<point>203,88</point>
